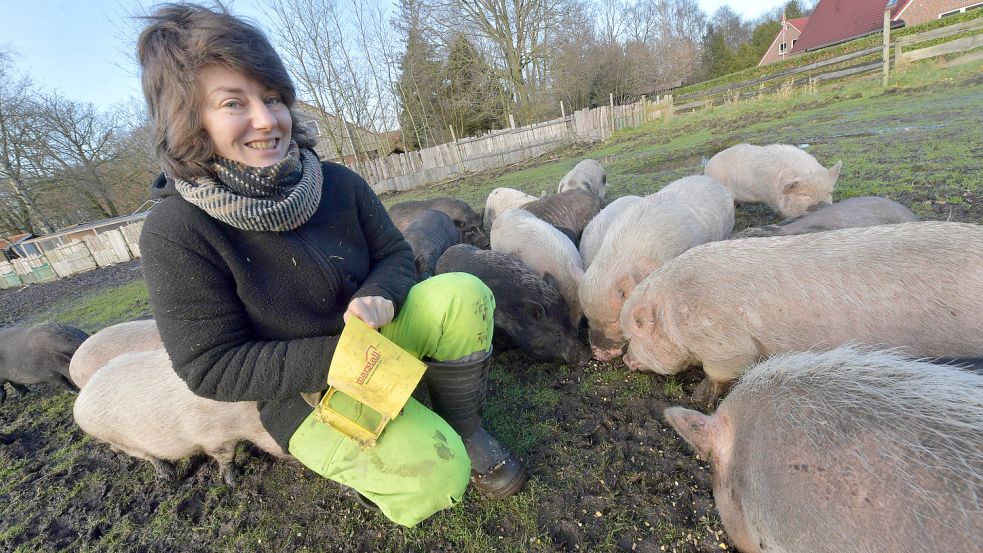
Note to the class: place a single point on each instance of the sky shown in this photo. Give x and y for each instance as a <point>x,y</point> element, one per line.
<point>84,48</point>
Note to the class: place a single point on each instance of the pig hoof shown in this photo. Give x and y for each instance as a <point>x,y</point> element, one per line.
<point>165,471</point>
<point>228,474</point>
<point>708,392</point>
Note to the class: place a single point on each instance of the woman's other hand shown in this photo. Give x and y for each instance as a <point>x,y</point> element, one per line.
<point>374,311</point>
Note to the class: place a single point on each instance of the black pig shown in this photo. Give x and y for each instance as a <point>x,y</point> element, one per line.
<point>569,211</point>
<point>527,308</point>
<point>467,221</point>
<point>430,234</point>
<point>39,354</point>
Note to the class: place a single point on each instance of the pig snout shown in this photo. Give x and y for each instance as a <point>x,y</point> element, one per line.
<point>603,347</point>
<point>575,354</point>
<point>476,236</point>
<point>630,361</point>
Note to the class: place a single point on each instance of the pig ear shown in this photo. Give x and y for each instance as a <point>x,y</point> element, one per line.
<point>624,285</point>
<point>421,265</point>
<point>790,186</point>
<point>551,280</point>
<point>697,429</point>
<point>834,171</point>
<point>643,316</point>
<point>534,309</point>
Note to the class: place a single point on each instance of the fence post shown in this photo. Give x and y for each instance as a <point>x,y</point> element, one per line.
<point>511,121</point>
<point>611,99</point>
<point>563,111</point>
<point>887,42</point>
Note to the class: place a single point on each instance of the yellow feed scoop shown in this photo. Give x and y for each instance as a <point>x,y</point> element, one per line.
<point>372,370</point>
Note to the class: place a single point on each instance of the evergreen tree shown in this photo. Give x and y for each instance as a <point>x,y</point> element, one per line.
<point>471,95</point>
<point>420,74</point>
<point>794,9</point>
<point>717,58</point>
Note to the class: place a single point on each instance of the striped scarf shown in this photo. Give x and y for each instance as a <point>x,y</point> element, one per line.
<point>276,198</point>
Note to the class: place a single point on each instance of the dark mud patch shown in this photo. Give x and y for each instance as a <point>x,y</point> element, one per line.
<point>19,305</point>
<point>945,203</point>
<point>615,460</point>
<point>608,475</point>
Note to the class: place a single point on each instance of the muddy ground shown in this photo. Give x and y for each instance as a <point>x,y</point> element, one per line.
<point>607,473</point>
<point>604,472</point>
<point>20,306</point>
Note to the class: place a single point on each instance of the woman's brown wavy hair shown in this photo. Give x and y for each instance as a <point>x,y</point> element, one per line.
<point>178,41</point>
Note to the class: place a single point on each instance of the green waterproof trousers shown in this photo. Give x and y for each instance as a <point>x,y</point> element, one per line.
<point>419,465</point>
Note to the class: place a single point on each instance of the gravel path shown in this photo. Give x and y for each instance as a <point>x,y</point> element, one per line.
<point>18,305</point>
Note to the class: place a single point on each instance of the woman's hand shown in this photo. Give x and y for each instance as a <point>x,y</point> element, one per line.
<point>374,311</point>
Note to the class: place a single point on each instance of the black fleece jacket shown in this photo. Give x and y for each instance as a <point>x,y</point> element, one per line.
<point>255,316</point>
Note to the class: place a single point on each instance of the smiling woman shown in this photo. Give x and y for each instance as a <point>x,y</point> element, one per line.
<point>258,254</point>
<point>247,121</point>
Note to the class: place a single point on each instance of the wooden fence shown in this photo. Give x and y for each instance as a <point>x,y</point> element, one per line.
<point>850,64</point>
<point>500,148</point>
<point>958,45</point>
<point>72,251</point>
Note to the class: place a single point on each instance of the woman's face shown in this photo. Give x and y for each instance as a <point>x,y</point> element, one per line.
<point>246,121</point>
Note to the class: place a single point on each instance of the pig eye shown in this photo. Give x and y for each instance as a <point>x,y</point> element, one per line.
<point>639,322</point>
<point>621,293</point>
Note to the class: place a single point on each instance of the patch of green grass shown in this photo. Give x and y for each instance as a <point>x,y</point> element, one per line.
<point>115,538</point>
<point>101,309</point>
<point>672,387</point>
<point>9,532</point>
<point>826,53</point>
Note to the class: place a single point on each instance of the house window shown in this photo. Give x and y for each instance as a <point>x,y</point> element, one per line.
<point>782,48</point>
<point>794,41</point>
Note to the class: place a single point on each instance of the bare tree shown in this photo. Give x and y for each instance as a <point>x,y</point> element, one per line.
<point>729,24</point>
<point>18,119</point>
<point>81,142</point>
<point>302,30</point>
<point>522,37</point>
<point>332,53</point>
<point>612,24</point>
<point>673,31</point>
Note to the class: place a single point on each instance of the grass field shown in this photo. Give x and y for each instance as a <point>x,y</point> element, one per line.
<point>607,473</point>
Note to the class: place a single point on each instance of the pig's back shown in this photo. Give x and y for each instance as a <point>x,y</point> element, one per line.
<point>916,286</point>
<point>852,450</point>
<point>597,228</point>
<point>858,212</point>
<point>139,402</point>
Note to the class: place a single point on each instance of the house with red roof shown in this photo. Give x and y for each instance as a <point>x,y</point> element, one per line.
<point>833,22</point>
<point>784,40</point>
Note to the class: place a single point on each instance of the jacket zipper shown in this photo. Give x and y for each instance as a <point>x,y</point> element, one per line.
<point>327,269</point>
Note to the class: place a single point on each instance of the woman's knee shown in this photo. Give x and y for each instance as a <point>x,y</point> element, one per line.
<point>458,309</point>
<point>450,288</point>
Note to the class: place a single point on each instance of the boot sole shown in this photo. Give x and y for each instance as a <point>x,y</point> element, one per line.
<point>503,481</point>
